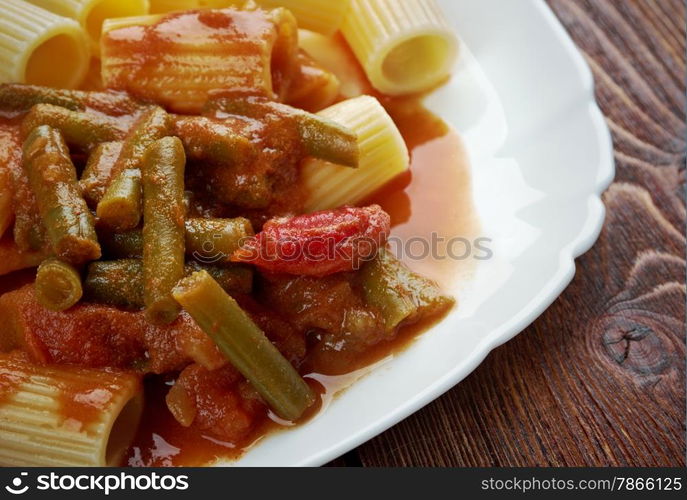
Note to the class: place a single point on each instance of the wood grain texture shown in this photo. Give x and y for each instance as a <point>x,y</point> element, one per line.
<point>599,379</point>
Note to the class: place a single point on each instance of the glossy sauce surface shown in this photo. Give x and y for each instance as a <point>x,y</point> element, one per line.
<point>434,197</point>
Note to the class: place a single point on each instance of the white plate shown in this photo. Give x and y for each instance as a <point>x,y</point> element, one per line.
<point>541,153</point>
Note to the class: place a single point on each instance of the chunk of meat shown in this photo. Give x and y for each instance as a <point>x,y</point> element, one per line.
<point>218,402</point>
<point>340,324</point>
<point>318,244</point>
<point>96,336</point>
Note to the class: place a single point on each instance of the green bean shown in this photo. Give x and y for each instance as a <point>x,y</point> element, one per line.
<point>322,138</point>
<point>52,177</point>
<point>152,125</point>
<point>120,282</point>
<point>207,240</point>
<point>245,345</point>
<point>236,279</point>
<point>83,131</point>
<point>58,285</point>
<point>211,140</point>
<point>125,245</point>
<point>215,240</point>
<point>18,97</point>
<point>120,208</point>
<point>98,173</point>
<point>163,227</point>
<point>400,294</point>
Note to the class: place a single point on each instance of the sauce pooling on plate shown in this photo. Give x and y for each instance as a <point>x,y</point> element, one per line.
<point>435,196</point>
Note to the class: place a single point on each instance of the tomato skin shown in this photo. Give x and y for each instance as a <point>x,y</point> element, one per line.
<point>318,244</point>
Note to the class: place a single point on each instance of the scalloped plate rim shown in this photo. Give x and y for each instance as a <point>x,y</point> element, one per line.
<point>557,284</point>
<point>575,246</point>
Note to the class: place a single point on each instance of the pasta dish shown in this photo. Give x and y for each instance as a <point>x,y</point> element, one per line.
<point>196,204</point>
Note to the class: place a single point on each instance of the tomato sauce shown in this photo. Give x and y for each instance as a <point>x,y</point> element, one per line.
<point>434,197</point>
<point>431,202</point>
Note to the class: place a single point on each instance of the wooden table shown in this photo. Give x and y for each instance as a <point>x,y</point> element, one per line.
<point>599,379</point>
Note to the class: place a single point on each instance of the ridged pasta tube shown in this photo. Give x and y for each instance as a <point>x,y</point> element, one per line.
<point>54,416</point>
<point>164,6</point>
<point>250,52</point>
<point>90,14</point>
<point>383,156</point>
<point>39,47</point>
<point>323,16</point>
<point>405,46</point>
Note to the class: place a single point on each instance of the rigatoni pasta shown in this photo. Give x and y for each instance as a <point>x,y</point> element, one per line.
<point>334,56</point>
<point>91,14</point>
<point>383,156</point>
<point>322,16</point>
<point>234,50</point>
<point>54,416</point>
<point>204,128</point>
<point>405,46</point>
<point>34,41</point>
<point>164,6</point>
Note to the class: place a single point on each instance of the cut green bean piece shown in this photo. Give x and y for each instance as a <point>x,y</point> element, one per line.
<point>236,279</point>
<point>322,138</point>
<point>125,245</point>
<point>163,227</point>
<point>58,285</point>
<point>18,97</point>
<point>153,125</point>
<point>98,173</point>
<point>215,240</point>
<point>400,294</point>
<point>245,345</point>
<point>120,282</point>
<point>209,241</point>
<point>52,177</point>
<point>210,140</point>
<point>83,131</point>
<point>120,208</point>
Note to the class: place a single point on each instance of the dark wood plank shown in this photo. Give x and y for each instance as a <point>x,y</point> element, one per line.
<point>599,379</point>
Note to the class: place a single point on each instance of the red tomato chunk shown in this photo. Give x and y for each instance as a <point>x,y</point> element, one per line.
<point>318,244</point>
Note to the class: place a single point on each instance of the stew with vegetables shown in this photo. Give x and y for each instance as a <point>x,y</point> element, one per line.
<point>177,254</point>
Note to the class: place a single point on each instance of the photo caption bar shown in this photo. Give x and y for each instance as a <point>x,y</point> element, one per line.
<point>113,483</point>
